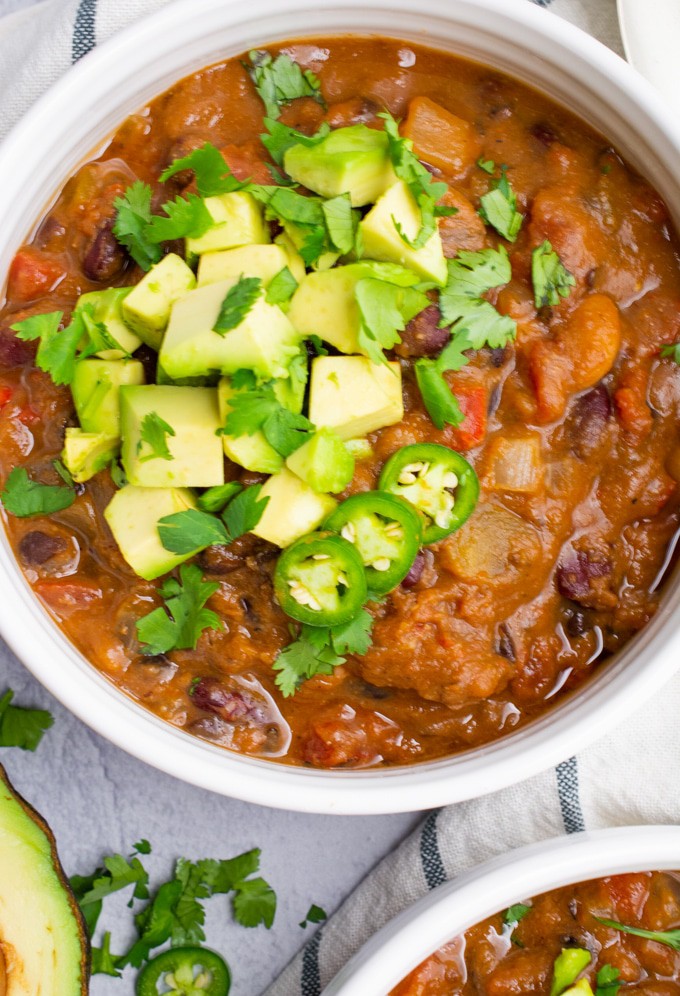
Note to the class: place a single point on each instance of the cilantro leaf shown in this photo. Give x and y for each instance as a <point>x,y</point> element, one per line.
<point>425,190</point>
<point>281,287</point>
<point>57,350</point>
<point>190,531</point>
<point>279,138</point>
<point>154,432</point>
<point>669,937</point>
<point>155,924</point>
<point>23,497</point>
<point>341,222</point>
<point>133,216</point>
<point>515,913</point>
<point>258,409</point>
<point>353,637</point>
<point>103,962</point>
<point>19,727</point>
<point>238,301</point>
<point>279,81</point>
<point>91,890</point>
<point>499,208</point>
<point>212,171</point>
<point>671,351</point>
<point>488,165</point>
<point>254,903</point>
<point>187,217</point>
<point>550,278</point>
<point>142,846</point>
<point>441,404</point>
<point>385,309</point>
<point>285,204</point>
<point>180,623</point>
<point>317,650</point>
<point>214,499</point>
<point>286,431</point>
<point>607,981</point>
<point>244,512</point>
<point>470,275</point>
<point>315,914</point>
<point>314,246</point>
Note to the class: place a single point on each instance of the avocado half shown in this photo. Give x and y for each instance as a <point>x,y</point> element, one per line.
<point>44,947</point>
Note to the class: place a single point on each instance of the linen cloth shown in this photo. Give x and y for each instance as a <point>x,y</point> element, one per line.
<point>622,780</point>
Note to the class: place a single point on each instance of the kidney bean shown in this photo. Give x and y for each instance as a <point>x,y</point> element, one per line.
<point>577,624</point>
<point>422,336</point>
<point>37,547</point>
<point>212,696</point>
<point>588,421</point>
<point>416,571</point>
<point>574,574</point>
<point>14,352</point>
<point>104,257</point>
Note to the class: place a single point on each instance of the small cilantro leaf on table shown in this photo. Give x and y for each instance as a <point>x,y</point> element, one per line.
<point>186,217</point>
<point>238,301</point>
<point>103,962</point>
<point>254,903</point>
<point>550,277</point>
<point>23,497</point>
<point>280,80</point>
<point>281,287</point>
<point>20,727</point>
<point>179,624</point>
<point>153,433</point>
<point>133,217</point>
<point>315,914</point>
<point>211,170</point>
<point>317,650</point>
<point>498,208</point>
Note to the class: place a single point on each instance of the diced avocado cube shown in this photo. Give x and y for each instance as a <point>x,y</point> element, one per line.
<point>195,450</point>
<point>238,221</point>
<point>249,261</point>
<point>353,160</point>
<point>580,988</point>
<point>290,390</point>
<point>325,303</point>
<point>293,510</point>
<point>133,514</point>
<point>252,452</point>
<point>323,462</point>
<point>294,261</point>
<point>354,396</point>
<point>265,341</point>
<point>106,309</point>
<point>146,308</point>
<point>86,453</point>
<point>298,237</point>
<point>381,240</point>
<point>360,449</point>
<point>95,388</point>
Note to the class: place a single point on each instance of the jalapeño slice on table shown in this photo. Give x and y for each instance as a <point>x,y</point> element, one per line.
<point>320,580</point>
<point>386,531</point>
<point>439,482</point>
<point>188,971</point>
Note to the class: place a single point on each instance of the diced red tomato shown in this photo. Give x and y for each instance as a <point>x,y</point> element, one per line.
<point>31,275</point>
<point>246,163</point>
<point>65,597</point>
<point>5,395</point>
<point>629,894</point>
<point>473,401</point>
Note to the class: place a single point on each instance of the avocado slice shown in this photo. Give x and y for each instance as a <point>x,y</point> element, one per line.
<point>248,261</point>
<point>250,451</point>
<point>293,509</point>
<point>106,309</point>
<point>354,396</point>
<point>86,453</point>
<point>238,221</point>
<point>133,515</point>
<point>95,388</point>
<point>44,946</point>
<point>146,309</point>
<point>323,462</point>
<point>352,160</point>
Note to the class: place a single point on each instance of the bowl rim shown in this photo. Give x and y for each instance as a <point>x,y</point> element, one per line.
<point>36,638</point>
<point>452,908</point>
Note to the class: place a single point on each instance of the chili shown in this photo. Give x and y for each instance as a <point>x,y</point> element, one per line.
<point>320,580</point>
<point>187,971</point>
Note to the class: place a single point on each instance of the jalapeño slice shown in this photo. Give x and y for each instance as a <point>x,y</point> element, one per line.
<point>188,971</point>
<point>320,580</point>
<point>439,482</point>
<point>386,531</point>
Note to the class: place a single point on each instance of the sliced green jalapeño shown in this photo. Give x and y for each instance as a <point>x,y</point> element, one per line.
<point>320,580</point>
<point>189,971</point>
<point>437,481</point>
<point>386,531</point>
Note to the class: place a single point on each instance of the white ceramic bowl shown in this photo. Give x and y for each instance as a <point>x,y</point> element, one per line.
<point>454,907</point>
<point>82,110</point>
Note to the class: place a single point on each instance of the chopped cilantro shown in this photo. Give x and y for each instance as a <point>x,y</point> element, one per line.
<point>63,472</point>
<point>279,81</point>
<point>441,404</point>
<point>281,287</point>
<point>154,432</point>
<point>19,727</point>
<point>341,222</point>
<point>254,903</point>
<point>515,913</point>
<point>238,301</point>
<point>212,172</point>
<point>103,962</point>
<point>116,874</point>
<point>385,309</point>
<point>488,165</point>
<point>133,217</point>
<point>258,409</point>
<point>499,208</point>
<point>669,937</point>
<point>57,350</point>
<point>607,981</point>
<point>418,179</point>
<point>315,914</point>
<point>23,497</point>
<point>186,217</point>
<point>550,278</point>
<point>142,846</point>
<point>193,529</point>
<point>318,650</point>
<point>671,351</point>
<point>214,499</point>
<point>244,512</point>
<point>279,138</point>
<point>179,624</point>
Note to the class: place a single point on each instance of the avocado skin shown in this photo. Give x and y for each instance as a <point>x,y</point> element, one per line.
<point>16,810</point>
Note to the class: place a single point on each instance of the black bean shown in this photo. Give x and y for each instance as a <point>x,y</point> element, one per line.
<point>543,133</point>
<point>497,357</point>
<point>506,644</point>
<point>588,421</point>
<point>38,547</point>
<point>105,257</point>
<point>422,336</point>
<point>415,572</point>
<point>14,352</point>
<point>219,559</point>
<point>374,691</point>
<point>576,624</point>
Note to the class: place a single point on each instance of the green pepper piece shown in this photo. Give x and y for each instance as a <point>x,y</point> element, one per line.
<point>320,580</point>
<point>189,971</point>
<point>439,482</point>
<point>568,966</point>
<point>386,532</point>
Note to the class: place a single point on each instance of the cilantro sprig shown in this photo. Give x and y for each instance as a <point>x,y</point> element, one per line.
<point>279,138</point>
<point>258,409</point>
<point>671,351</point>
<point>279,81</point>
<point>179,624</point>
<point>281,287</point>
<point>20,727</point>
<point>498,208</point>
<point>238,301</point>
<point>315,914</point>
<point>195,529</point>
<point>671,938</point>
<point>608,981</point>
<point>550,277</point>
<point>153,433</point>
<point>515,913</point>
<point>212,172</point>
<point>385,309</point>
<point>318,650</point>
<point>23,497</point>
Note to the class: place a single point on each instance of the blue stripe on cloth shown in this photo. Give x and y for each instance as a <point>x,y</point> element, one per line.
<point>84,29</point>
<point>570,803</point>
<point>310,981</point>
<point>430,855</point>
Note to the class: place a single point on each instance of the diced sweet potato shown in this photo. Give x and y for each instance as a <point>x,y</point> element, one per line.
<point>441,139</point>
<point>463,230</point>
